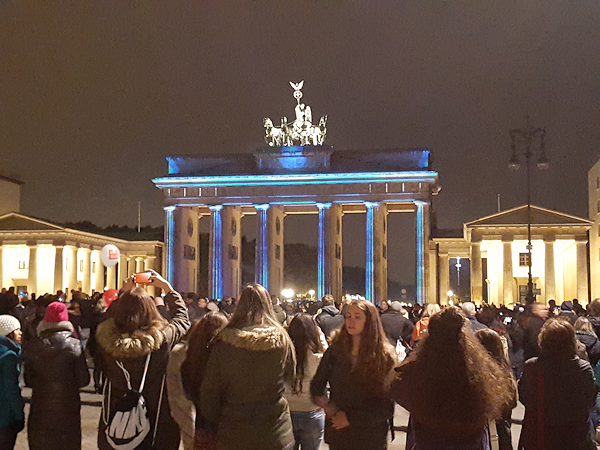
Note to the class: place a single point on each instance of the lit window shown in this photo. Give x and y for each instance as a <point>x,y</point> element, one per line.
<point>21,264</point>
<point>524,259</point>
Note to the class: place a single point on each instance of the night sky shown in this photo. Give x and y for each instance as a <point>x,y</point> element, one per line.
<point>94,96</point>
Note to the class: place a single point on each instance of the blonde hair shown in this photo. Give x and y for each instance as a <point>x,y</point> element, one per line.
<point>431,309</point>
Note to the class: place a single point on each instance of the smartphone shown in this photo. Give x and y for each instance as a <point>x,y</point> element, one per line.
<point>507,320</point>
<point>142,277</point>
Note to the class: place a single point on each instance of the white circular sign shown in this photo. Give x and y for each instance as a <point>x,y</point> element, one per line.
<point>109,255</point>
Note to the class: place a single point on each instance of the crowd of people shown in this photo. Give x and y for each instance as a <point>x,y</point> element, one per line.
<point>251,373</point>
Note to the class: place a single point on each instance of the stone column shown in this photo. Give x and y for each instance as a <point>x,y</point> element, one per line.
<point>215,253</point>
<point>73,268</point>
<point>329,261</point>
<point>87,272</point>
<point>231,251</point>
<point>550,272</point>
<point>444,270</point>
<point>423,232</point>
<point>582,274</point>
<point>1,267</point>
<point>476,274</point>
<point>333,251</point>
<point>184,254</point>
<point>169,242</point>
<point>322,274</point>
<point>376,263</point>
<point>148,264</point>
<point>32,276</point>
<point>275,218</point>
<point>508,279</point>
<point>122,270</point>
<point>261,254</point>
<point>130,266</point>
<point>99,275</point>
<point>111,277</point>
<point>58,268</point>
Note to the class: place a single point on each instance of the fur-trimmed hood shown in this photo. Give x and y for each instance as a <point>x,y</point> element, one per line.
<point>255,338</point>
<point>63,325</point>
<point>121,346</point>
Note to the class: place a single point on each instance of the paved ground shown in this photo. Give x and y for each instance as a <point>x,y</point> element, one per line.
<point>90,414</point>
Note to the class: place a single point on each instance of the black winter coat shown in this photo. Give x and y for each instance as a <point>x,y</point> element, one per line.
<point>367,413</point>
<point>396,326</point>
<point>329,320</point>
<point>566,392</point>
<point>55,369</point>
<point>132,352</point>
<point>592,345</point>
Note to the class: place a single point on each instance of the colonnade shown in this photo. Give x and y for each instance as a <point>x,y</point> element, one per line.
<point>183,261</point>
<point>53,266</point>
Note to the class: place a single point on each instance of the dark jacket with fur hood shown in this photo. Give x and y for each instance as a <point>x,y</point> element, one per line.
<point>242,389</point>
<point>55,369</point>
<point>132,351</point>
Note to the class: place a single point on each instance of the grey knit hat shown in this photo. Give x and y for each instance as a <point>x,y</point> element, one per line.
<point>8,324</point>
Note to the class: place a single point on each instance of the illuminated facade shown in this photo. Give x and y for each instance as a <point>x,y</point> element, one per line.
<point>594,209</point>
<point>279,181</point>
<point>38,256</point>
<point>496,247</point>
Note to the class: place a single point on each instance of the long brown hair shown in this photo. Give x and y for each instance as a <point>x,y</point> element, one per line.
<point>305,336</point>
<point>135,311</point>
<point>376,357</point>
<point>557,339</point>
<point>254,308</point>
<point>198,351</point>
<point>454,376</point>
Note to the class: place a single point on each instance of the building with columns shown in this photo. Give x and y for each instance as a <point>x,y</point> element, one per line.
<point>496,248</point>
<point>278,181</point>
<point>39,256</point>
<point>594,211</point>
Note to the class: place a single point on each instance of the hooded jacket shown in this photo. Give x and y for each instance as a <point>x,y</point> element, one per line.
<point>55,369</point>
<point>132,351</point>
<point>329,320</point>
<point>242,389</point>
<point>11,412</point>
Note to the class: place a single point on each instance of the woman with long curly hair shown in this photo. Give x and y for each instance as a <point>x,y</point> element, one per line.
<point>451,386</point>
<point>192,369</point>
<point>359,367</point>
<point>308,419</point>
<point>244,379</point>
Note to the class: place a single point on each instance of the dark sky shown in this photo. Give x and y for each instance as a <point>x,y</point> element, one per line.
<point>93,96</point>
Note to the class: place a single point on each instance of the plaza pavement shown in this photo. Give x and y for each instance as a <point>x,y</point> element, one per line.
<point>90,414</point>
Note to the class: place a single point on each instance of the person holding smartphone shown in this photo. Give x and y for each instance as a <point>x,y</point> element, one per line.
<point>136,339</point>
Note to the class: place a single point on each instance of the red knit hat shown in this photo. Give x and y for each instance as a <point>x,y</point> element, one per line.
<point>56,312</point>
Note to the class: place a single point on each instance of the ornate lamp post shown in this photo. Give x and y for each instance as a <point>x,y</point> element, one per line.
<point>526,137</point>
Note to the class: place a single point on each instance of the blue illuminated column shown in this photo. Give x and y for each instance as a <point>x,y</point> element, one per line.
<point>376,263</point>
<point>169,243</point>
<point>322,269</point>
<point>422,231</point>
<point>370,260</point>
<point>216,253</point>
<point>261,260</point>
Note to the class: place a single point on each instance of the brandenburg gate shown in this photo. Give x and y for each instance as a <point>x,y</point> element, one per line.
<point>295,174</point>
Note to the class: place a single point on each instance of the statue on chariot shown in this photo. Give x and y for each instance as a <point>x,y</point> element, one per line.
<point>299,132</point>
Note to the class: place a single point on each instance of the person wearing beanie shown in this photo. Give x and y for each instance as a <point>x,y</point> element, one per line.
<point>55,370</point>
<point>12,418</point>
<point>396,326</point>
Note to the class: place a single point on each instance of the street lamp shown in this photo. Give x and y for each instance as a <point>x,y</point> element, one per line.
<point>526,137</point>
